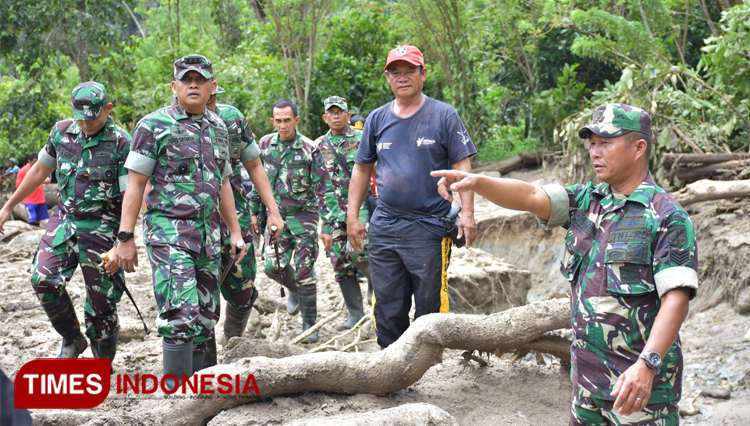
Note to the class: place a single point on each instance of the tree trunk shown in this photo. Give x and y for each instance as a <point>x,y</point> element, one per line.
<point>379,373</point>
<point>519,161</point>
<point>693,173</point>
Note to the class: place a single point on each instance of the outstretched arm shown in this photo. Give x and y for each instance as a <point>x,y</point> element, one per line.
<point>509,193</point>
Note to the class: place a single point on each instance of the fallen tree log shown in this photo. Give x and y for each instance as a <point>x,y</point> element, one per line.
<point>707,190</point>
<point>693,173</point>
<point>414,414</point>
<point>518,161</point>
<point>674,159</point>
<point>395,368</point>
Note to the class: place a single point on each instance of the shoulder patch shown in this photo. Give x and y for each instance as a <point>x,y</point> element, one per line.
<point>677,235</point>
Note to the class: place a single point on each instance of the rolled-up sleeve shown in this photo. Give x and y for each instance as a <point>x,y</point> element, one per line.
<point>559,206</point>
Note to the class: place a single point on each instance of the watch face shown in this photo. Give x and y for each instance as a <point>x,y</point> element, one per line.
<point>654,358</point>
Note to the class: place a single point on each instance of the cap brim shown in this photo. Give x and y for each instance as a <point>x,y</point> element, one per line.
<point>87,115</point>
<point>411,61</point>
<point>202,72</point>
<point>344,107</point>
<point>586,131</point>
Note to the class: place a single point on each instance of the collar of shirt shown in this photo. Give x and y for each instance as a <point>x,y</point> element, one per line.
<point>643,194</point>
<point>296,143</point>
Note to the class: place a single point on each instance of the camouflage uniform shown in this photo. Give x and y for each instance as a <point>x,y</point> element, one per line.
<point>344,260</point>
<point>297,177</point>
<point>623,255</point>
<point>187,159</point>
<point>238,289</point>
<point>91,178</point>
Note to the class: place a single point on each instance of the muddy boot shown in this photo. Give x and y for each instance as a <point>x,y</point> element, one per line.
<point>209,358</point>
<point>106,348</point>
<point>235,322</point>
<point>62,315</point>
<point>288,281</point>
<point>353,299</point>
<point>308,300</point>
<point>177,359</point>
<point>368,277</point>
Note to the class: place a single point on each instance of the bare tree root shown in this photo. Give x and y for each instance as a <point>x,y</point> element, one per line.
<point>550,344</point>
<point>395,368</point>
<point>332,344</point>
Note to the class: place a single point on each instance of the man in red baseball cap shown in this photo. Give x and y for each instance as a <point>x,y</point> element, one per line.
<point>409,245</point>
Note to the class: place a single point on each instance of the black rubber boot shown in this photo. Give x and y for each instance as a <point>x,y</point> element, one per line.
<point>368,277</point>
<point>106,347</point>
<point>209,358</point>
<point>288,281</point>
<point>308,300</point>
<point>235,322</point>
<point>353,299</point>
<point>177,359</point>
<point>62,315</point>
<point>198,360</point>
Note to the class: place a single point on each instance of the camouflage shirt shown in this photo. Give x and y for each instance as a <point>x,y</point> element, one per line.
<point>187,159</point>
<point>296,174</point>
<point>242,148</point>
<point>337,195</point>
<point>91,178</point>
<point>623,255</point>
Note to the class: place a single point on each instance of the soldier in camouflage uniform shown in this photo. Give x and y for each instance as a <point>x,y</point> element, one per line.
<point>295,170</point>
<point>238,287</point>
<point>337,146</point>
<point>632,264</point>
<point>89,153</point>
<point>183,151</point>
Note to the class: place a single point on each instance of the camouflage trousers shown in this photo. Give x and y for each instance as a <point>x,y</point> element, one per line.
<point>599,412</point>
<point>53,267</point>
<point>297,246</point>
<point>187,293</point>
<point>238,287</point>
<point>344,259</point>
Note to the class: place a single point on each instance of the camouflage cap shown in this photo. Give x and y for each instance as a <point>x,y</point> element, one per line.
<point>612,120</point>
<point>88,100</point>
<point>193,63</point>
<point>357,121</point>
<point>335,101</point>
<point>220,89</point>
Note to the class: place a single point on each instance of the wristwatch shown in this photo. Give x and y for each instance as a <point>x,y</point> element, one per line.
<point>652,359</point>
<point>124,236</point>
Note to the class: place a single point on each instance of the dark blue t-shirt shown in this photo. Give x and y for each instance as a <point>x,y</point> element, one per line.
<point>406,151</point>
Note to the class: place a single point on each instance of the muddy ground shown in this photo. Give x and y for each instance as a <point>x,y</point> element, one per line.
<point>716,338</point>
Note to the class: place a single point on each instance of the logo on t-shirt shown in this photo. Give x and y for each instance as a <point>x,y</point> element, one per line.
<point>464,137</point>
<point>423,141</point>
<point>384,145</point>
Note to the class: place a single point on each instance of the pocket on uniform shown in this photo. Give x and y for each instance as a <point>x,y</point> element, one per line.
<point>628,268</point>
<point>103,183</point>
<point>299,182</point>
<point>180,168</point>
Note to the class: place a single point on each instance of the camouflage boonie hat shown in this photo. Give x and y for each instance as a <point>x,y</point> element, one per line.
<point>335,101</point>
<point>88,100</point>
<point>193,63</point>
<point>612,120</point>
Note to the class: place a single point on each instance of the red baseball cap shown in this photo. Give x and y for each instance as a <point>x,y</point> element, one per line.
<point>410,54</point>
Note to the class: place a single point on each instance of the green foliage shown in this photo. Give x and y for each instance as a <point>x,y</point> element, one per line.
<point>554,105</point>
<point>504,142</point>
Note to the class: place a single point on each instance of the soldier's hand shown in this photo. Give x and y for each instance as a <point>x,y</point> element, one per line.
<point>327,241</point>
<point>239,248</point>
<point>468,227</point>
<point>4,216</point>
<point>126,255</point>
<point>256,228</point>
<point>633,388</point>
<point>453,180</point>
<point>109,261</point>
<point>278,222</point>
<point>356,234</point>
